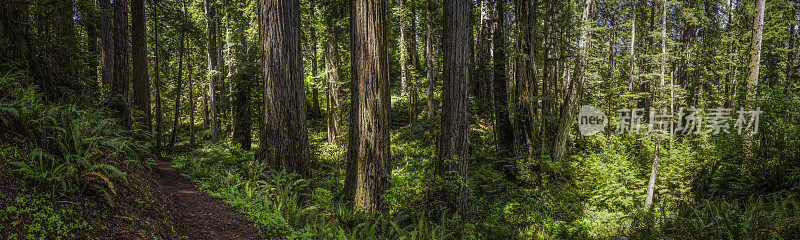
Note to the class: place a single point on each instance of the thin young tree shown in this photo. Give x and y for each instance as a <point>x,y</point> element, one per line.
<point>177,114</point>
<point>454,154</point>
<point>157,81</point>
<point>752,76</point>
<point>651,185</point>
<point>241,78</point>
<point>632,50</point>
<point>286,133</point>
<point>402,41</point>
<point>368,158</point>
<point>481,82</point>
<point>429,57</point>
<point>191,94</point>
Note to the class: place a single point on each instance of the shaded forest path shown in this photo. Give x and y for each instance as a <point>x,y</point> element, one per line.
<point>197,214</point>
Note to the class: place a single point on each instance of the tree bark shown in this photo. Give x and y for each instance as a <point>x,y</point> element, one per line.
<point>120,89</point>
<point>213,71</point>
<point>286,145</point>
<point>141,81</point>
<point>505,135</point>
<point>368,159</point>
<point>454,154</point>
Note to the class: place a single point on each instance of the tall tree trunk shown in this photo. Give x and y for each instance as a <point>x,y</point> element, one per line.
<point>107,45</point>
<point>177,114</point>
<point>368,158</point>
<point>232,71</point>
<point>481,82</point>
<point>332,70</point>
<point>549,78</point>
<point>429,56</point>
<point>406,55</point>
<point>63,63</point>
<point>454,154</point>
<point>525,79</point>
<point>315,109</point>
<point>505,135</point>
<point>141,81</point>
<point>120,90</point>
<point>284,100</point>
<point>242,81</point>
<point>221,76</point>
<point>752,76</point>
<point>404,75</point>
<point>157,81</point>
<point>576,83</point>
<point>412,47</point>
<point>205,108</point>
<point>241,110</point>
<point>632,51</point>
<point>90,24</point>
<point>413,55</point>
<point>213,71</point>
<point>191,96</point>
<point>789,71</point>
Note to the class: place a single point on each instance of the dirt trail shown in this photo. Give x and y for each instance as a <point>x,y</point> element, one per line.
<point>197,214</point>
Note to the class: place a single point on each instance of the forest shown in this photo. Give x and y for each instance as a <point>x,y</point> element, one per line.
<point>399,119</point>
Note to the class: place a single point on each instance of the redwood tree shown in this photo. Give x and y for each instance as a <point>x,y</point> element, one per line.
<point>286,134</point>
<point>455,97</point>
<point>368,158</point>
<point>120,90</point>
<point>141,81</point>
<point>505,137</point>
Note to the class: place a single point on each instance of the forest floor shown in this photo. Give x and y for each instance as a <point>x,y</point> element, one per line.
<point>198,215</point>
